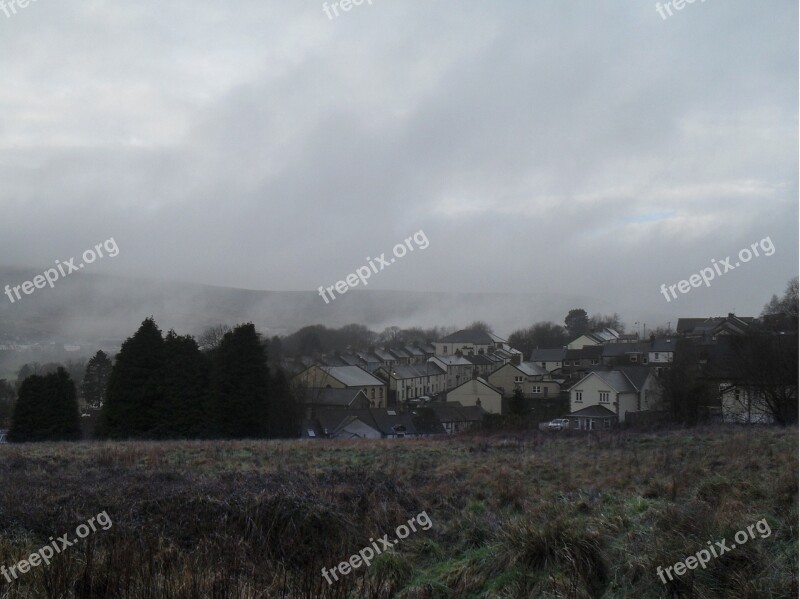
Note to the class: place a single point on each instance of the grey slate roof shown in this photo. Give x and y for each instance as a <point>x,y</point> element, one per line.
<point>532,369</point>
<point>469,336</point>
<point>613,350</point>
<point>416,370</point>
<point>336,397</point>
<point>593,412</point>
<point>548,355</point>
<point>663,345</point>
<point>352,376</point>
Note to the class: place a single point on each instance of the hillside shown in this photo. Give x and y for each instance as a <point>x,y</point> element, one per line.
<point>543,516</point>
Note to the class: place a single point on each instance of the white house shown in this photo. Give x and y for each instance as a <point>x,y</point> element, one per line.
<point>458,369</point>
<point>477,392</point>
<point>623,390</point>
<point>662,352</point>
<point>741,404</point>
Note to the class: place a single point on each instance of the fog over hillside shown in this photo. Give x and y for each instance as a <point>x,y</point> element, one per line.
<point>88,308</point>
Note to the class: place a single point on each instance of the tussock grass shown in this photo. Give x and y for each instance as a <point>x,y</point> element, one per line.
<point>514,516</point>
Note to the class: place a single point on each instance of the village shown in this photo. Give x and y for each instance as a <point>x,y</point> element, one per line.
<point>600,380</point>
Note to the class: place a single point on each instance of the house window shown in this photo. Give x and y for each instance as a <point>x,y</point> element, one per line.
<point>517,380</point>
<point>544,364</point>
<point>373,393</point>
<point>579,396</point>
<point>594,361</point>
<point>655,356</point>
<point>604,397</point>
<point>444,349</point>
<point>634,358</point>
<point>536,389</point>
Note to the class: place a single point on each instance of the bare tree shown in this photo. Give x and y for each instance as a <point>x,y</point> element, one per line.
<point>210,338</point>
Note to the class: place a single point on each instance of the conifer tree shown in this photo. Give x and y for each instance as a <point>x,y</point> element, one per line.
<point>134,386</point>
<point>240,385</point>
<point>183,409</point>
<point>46,410</point>
<point>285,413</point>
<point>95,380</point>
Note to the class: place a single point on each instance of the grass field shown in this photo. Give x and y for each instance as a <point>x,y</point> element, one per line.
<point>536,516</point>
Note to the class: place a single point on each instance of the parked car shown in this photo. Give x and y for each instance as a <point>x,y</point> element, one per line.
<point>558,424</point>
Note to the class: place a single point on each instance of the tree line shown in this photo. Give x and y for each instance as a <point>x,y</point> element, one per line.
<point>165,387</point>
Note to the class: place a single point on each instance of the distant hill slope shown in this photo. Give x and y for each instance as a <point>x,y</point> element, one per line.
<point>88,307</point>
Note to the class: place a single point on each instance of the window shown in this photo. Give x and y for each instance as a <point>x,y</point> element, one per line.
<point>604,397</point>
<point>655,356</point>
<point>578,396</point>
<point>634,358</point>
<point>536,389</point>
<point>444,349</point>
<point>373,393</point>
<point>517,380</point>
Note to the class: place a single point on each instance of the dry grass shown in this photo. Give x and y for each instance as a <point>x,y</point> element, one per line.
<point>533,516</point>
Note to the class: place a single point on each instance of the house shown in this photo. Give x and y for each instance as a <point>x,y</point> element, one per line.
<point>484,364</point>
<point>411,382</point>
<point>344,424</point>
<point>742,404</point>
<point>469,342</point>
<point>580,361</point>
<point>328,397</point>
<point>369,423</point>
<point>456,418</point>
<point>549,359</point>
<point>458,369</point>
<point>477,392</point>
<point>706,330</point>
<point>625,353</point>
<point>385,356</point>
<point>508,355</point>
<point>662,351</point>
<point>594,338</point>
<point>417,355</point>
<point>527,376</point>
<point>369,359</point>
<point>592,418</point>
<point>343,377</point>
<point>351,359</point>
<point>403,358</point>
<point>622,390</point>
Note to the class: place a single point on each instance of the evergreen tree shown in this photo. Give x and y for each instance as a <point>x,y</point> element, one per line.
<point>577,323</point>
<point>240,385</point>
<point>95,380</point>
<point>7,399</point>
<point>46,410</point>
<point>134,387</point>
<point>285,412</point>
<point>183,409</point>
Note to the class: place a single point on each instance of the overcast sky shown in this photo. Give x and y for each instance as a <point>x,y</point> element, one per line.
<point>588,148</point>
